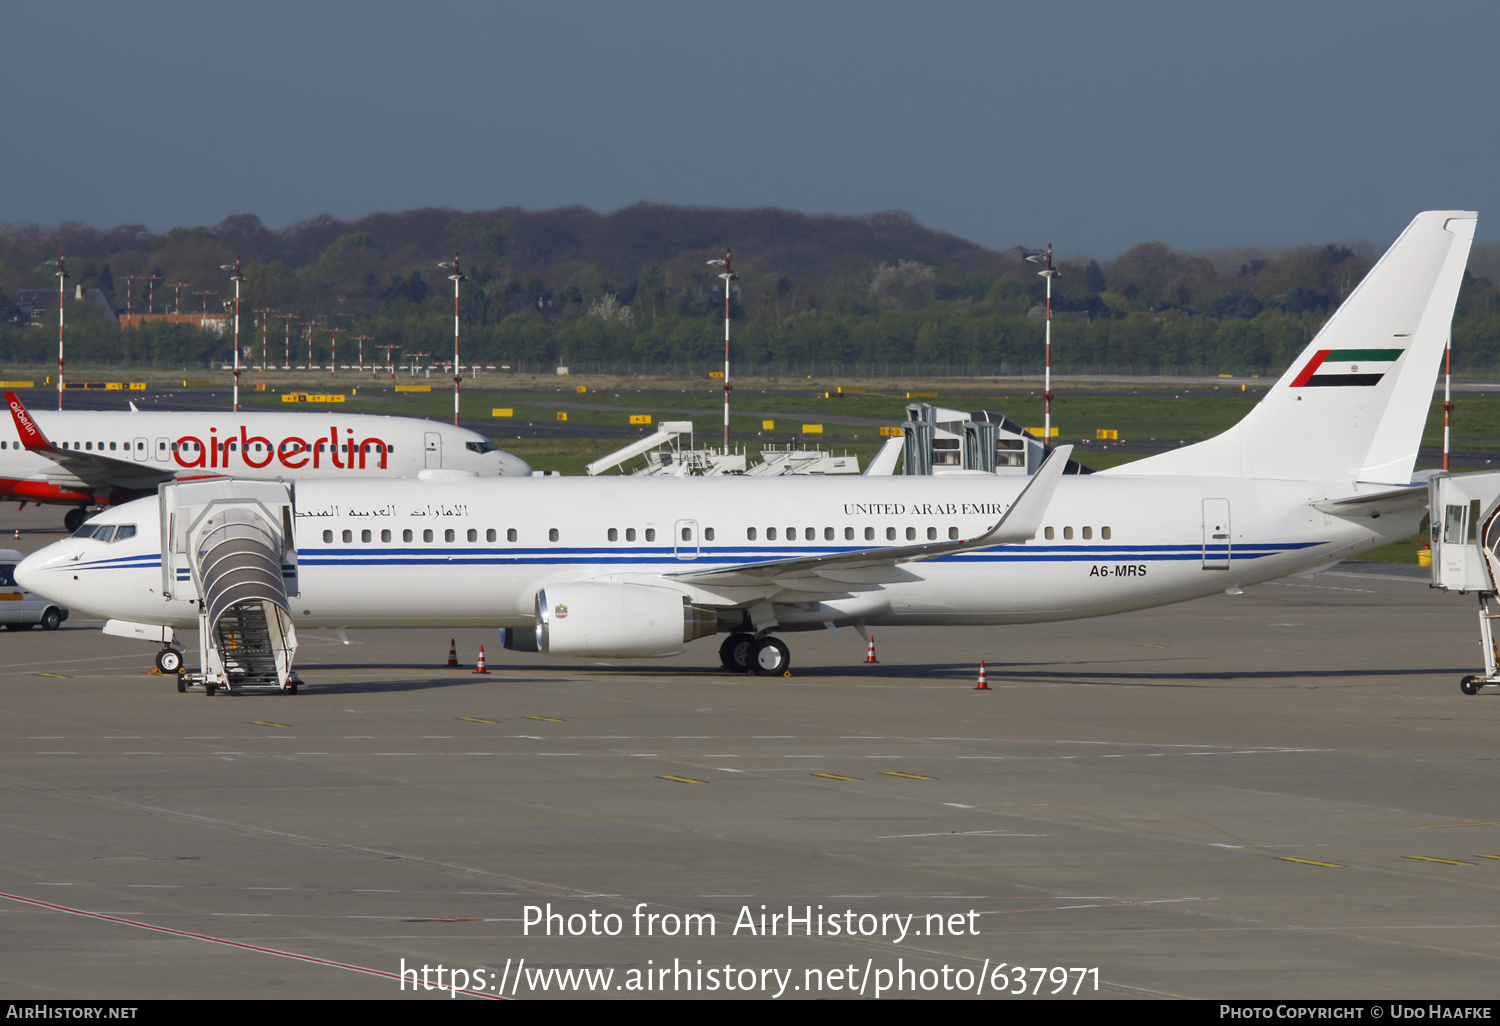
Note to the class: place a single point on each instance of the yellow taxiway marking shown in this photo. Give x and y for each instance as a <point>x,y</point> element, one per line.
<point>1489,856</point>
<point>909,776</point>
<point>1429,858</point>
<point>1311,862</point>
<point>835,776</point>
<point>64,676</point>
<point>1142,644</point>
<point>548,719</point>
<point>1440,826</point>
<point>683,780</point>
<point>268,723</point>
<point>474,719</point>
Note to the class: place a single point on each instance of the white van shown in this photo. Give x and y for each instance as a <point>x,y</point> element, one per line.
<point>21,610</point>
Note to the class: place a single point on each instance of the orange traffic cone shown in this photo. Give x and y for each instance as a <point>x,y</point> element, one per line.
<point>480,668</point>
<point>18,534</point>
<point>981,686</point>
<point>452,653</point>
<point>870,656</point>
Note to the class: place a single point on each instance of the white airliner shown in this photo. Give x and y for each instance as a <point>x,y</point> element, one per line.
<point>1319,470</point>
<point>90,457</point>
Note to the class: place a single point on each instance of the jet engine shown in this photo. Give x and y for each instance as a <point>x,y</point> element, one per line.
<point>602,618</point>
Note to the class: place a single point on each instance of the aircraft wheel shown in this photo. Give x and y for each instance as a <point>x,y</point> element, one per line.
<point>74,519</point>
<point>169,660</point>
<point>735,652</point>
<point>1468,685</point>
<point>769,658</point>
<point>210,689</point>
<point>51,620</point>
<point>181,685</point>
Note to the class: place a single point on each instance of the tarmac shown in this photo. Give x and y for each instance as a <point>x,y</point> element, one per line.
<point>1280,794</point>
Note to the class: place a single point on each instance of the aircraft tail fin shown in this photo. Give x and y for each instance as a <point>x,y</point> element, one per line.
<point>1352,406</point>
<point>31,435</point>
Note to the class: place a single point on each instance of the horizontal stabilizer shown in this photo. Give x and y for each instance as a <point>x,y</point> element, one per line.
<point>1396,500</point>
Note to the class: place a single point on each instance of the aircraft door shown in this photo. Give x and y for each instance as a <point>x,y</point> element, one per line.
<point>162,451</point>
<point>434,446</point>
<point>141,449</point>
<point>685,541</point>
<point>1216,540</point>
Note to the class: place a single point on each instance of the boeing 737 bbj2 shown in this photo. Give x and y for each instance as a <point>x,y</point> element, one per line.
<point>1319,470</point>
<point>82,458</point>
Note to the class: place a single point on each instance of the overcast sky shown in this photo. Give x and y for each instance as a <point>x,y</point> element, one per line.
<point>1093,126</point>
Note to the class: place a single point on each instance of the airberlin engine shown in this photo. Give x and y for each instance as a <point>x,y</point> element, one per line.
<point>600,618</point>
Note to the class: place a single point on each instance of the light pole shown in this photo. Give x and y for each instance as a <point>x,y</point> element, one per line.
<point>265,323</point>
<point>390,362</point>
<point>236,277</point>
<point>286,356</point>
<point>62,301</point>
<point>1049,272</point>
<point>310,325</point>
<point>362,339</point>
<point>178,286</point>
<point>151,280</point>
<point>456,277</point>
<point>729,276</point>
<point>333,355</point>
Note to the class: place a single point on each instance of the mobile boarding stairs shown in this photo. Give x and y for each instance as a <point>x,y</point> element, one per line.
<point>1465,537</point>
<point>229,547</point>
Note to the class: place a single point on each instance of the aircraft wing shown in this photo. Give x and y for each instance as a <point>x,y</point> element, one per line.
<point>93,468</point>
<point>1394,500</point>
<point>1019,523</point>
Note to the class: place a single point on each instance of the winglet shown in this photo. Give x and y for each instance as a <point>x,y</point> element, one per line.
<point>1024,518</point>
<point>31,435</point>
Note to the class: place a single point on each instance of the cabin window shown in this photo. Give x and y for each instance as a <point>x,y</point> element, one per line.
<point>348,537</point>
<point>510,535</point>
<point>687,534</point>
<point>953,534</point>
<point>1104,533</point>
<point>111,446</point>
<point>327,536</point>
<point>406,536</point>
<point>1048,534</point>
<point>869,534</point>
<point>1088,532</point>
<point>708,534</point>
<point>911,534</point>
<point>629,534</point>
<point>613,535</point>
<point>770,534</point>
<point>489,535</point>
<point>448,535</point>
<point>848,534</point>
<point>828,534</point>
<point>88,445</point>
<point>125,531</point>
<point>552,534</point>
<point>932,534</point>
<point>427,535</point>
<point>890,534</point>
<point>1068,533</point>
<point>364,536</point>
<point>651,534</point>
<point>473,535</point>
<point>810,533</point>
<point>385,536</point>
<point>750,533</point>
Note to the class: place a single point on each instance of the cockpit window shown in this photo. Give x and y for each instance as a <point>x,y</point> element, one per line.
<point>106,532</point>
<point>481,447</point>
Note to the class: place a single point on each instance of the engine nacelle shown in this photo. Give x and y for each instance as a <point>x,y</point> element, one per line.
<point>601,618</point>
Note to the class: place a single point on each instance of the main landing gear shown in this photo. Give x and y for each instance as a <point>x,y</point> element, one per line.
<point>764,656</point>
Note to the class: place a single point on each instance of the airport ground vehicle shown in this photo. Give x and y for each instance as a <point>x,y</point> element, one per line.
<point>20,610</point>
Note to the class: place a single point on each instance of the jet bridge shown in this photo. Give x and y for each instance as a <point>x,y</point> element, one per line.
<point>229,547</point>
<point>1465,537</point>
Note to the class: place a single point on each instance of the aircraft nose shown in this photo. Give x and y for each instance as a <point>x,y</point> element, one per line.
<point>512,465</point>
<point>33,572</point>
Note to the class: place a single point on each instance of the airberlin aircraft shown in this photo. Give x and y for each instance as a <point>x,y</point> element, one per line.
<point>1320,469</point>
<point>84,458</point>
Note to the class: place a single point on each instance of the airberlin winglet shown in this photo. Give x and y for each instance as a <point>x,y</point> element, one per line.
<point>31,436</point>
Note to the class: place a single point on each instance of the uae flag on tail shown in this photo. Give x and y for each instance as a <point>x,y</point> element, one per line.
<point>1346,367</point>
